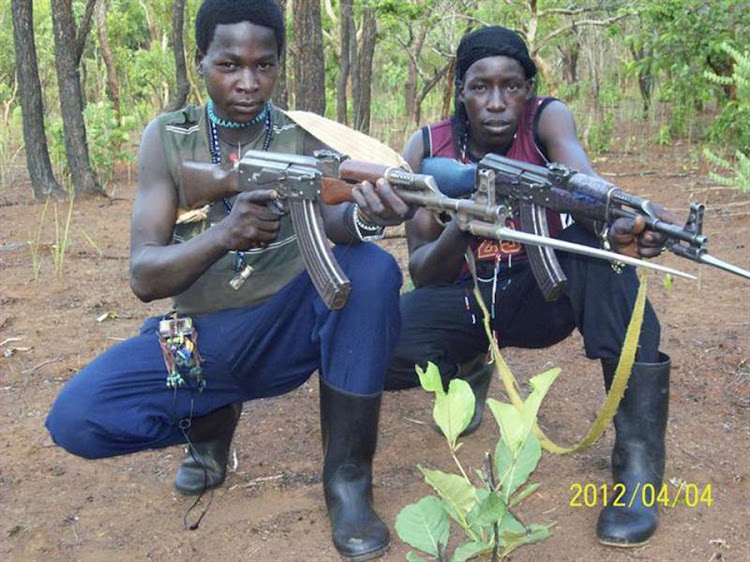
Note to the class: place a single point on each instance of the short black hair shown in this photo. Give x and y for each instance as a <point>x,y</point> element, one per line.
<point>215,12</point>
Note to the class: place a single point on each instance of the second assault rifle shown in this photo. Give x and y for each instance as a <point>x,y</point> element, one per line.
<point>527,189</point>
<point>302,182</point>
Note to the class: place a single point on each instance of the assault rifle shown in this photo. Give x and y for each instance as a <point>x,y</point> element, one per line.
<point>518,187</point>
<point>302,182</point>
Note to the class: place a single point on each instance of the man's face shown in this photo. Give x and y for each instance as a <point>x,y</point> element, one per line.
<point>494,92</point>
<point>240,69</point>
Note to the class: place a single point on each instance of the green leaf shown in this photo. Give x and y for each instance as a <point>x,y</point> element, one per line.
<point>430,379</point>
<point>470,550</point>
<point>510,422</point>
<point>523,494</point>
<point>516,425</point>
<point>452,513</point>
<point>488,511</point>
<point>413,557</point>
<point>512,471</point>
<point>537,532</point>
<point>510,530</point>
<point>454,489</point>
<point>540,385</point>
<point>424,525</point>
<point>533,533</point>
<point>453,411</point>
<point>668,282</point>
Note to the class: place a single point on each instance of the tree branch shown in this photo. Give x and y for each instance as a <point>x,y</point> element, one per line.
<point>566,28</point>
<point>570,11</point>
<point>430,84</point>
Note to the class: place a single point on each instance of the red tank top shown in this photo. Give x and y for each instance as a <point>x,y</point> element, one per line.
<point>524,148</point>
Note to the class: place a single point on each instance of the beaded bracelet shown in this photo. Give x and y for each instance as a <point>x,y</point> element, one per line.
<point>365,231</point>
<point>617,266</point>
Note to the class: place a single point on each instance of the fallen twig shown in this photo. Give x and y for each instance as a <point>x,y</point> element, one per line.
<point>256,481</point>
<point>37,367</point>
<point>10,340</point>
<point>626,174</point>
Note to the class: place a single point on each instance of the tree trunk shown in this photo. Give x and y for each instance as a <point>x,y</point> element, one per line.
<point>410,91</point>
<point>38,163</point>
<point>309,62</point>
<point>448,92</point>
<point>354,75</point>
<point>546,74</point>
<point>345,30</point>
<point>83,29</point>
<point>724,67</point>
<point>153,32</point>
<point>182,89</point>
<point>645,76</point>
<point>367,54</point>
<point>76,148</point>
<point>427,88</point>
<point>412,77</point>
<point>113,84</point>
<point>570,54</point>
<point>281,92</point>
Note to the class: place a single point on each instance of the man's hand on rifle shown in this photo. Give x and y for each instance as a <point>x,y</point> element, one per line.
<point>381,204</point>
<point>630,237</point>
<point>251,223</point>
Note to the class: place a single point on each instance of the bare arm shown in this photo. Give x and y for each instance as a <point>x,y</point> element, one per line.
<point>557,131</point>
<point>159,269</point>
<point>436,253</point>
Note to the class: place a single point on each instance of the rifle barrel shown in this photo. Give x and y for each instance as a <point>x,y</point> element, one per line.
<point>488,230</point>
<point>721,264</point>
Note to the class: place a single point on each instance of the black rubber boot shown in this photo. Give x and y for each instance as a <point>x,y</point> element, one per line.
<point>638,456</point>
<point>349,427</point>
<point>205,465</point>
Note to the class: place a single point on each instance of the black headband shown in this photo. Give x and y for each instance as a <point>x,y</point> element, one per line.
<point>491,42</point>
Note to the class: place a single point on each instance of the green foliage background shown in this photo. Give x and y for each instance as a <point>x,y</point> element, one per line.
<point>681,40</point>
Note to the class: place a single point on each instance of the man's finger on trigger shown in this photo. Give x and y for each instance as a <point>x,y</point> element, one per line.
<point>259,195</point>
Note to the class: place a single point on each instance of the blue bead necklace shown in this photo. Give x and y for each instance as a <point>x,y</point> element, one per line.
<point>216,120</point>
<point>240,265</point>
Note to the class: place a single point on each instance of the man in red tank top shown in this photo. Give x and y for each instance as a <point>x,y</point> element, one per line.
<point>497,111</point>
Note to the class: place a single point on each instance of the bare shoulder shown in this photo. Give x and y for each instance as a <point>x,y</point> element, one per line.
<point>152,164</point>
<point>556,121</point>
<point>414,151</point>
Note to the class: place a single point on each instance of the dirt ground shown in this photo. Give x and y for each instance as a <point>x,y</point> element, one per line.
<point>54,506</point>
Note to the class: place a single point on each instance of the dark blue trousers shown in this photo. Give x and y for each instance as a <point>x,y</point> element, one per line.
<point>437,327</point>
<point>120,404</point>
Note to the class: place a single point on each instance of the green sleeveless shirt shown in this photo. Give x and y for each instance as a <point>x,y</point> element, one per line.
<point>185,136</point>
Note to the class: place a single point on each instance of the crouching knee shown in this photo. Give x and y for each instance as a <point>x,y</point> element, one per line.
<point>71,427</point>
<point>369,267</point>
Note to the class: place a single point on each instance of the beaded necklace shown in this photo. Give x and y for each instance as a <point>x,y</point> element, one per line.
<point>240,265</point>
<point>216,120</point>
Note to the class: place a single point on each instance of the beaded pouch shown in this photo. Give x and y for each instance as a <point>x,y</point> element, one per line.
<point>178,339</point>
